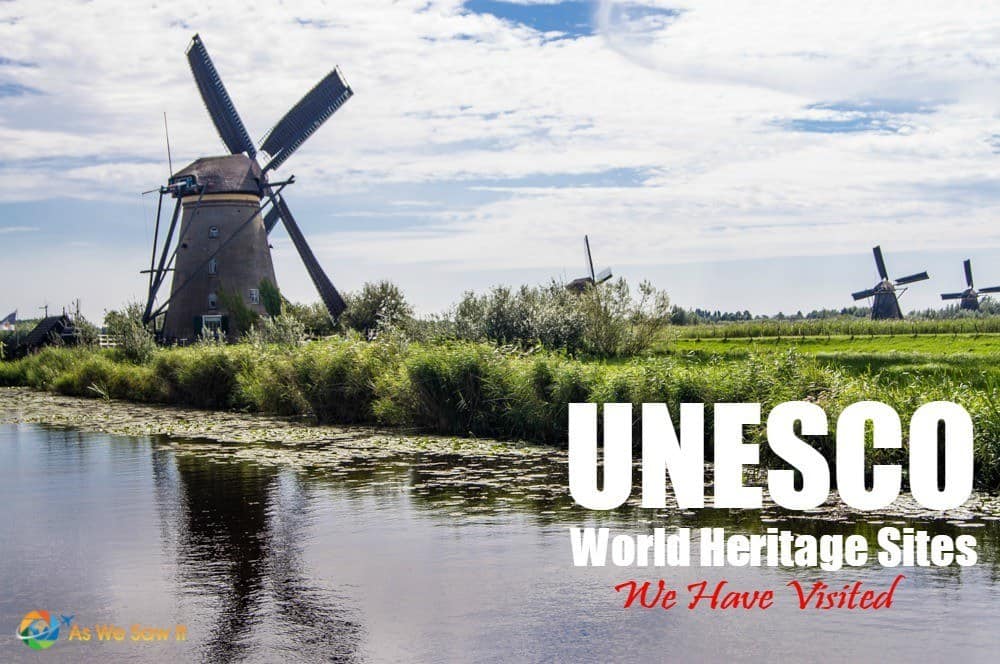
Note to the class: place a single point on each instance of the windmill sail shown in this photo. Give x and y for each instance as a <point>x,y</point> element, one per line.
<point>880,263</point>
<point>590,259</point>
<point>861,295</point>
<point>271,219</point>
<point>220,107</point>
<point>967,264</point>
<point>328,293</point>
<point>920,276</point>
<point>305,118</point>
<point>991,289</point>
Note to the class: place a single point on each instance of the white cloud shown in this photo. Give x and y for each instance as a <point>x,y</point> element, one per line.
<point>704,105</point>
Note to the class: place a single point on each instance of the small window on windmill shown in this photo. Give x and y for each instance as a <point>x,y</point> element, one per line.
<point>213,301</point>
<point>213,232</point>
<point>213,266</point>
<point>254,296</point>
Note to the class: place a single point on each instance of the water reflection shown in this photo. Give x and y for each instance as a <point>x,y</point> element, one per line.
<point>476,487</point>
<point>238,533</point>
<point>320,553</point>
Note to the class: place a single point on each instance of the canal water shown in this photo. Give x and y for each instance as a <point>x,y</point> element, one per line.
<point>421,556</point>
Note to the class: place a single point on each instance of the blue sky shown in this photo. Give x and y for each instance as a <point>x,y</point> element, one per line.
<point>569,19</point>
<point>739,155</point>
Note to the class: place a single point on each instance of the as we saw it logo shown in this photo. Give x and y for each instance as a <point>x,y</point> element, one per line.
<point>39,630</point>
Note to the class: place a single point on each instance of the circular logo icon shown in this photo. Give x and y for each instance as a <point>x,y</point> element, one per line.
<point>38,631</point>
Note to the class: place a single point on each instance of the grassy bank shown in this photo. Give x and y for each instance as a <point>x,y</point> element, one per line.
<point>467,388</point>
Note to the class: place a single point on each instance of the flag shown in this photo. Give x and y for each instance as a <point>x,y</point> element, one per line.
<point>8,322</point>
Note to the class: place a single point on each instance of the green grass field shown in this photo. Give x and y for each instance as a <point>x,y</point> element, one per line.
<point>971,359</point>
<point>933,344</point>
<point>845,326</point>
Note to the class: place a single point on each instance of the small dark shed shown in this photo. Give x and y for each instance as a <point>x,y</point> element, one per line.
<point>47,330</point>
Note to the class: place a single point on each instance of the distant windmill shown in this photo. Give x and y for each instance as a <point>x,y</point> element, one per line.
<point>221,255</point>
<point>581,284</point>
<point>970,296</point>
<point>886,302</point>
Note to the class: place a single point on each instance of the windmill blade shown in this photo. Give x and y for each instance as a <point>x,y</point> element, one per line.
<point>991,289</point>
<point>968,272</point>
<point>335,304</point>
<point>952,296</point>
<point>861,295</point>
<point>271,219</point>
<point>590,260</point>
<point>220,106</point>
<point>305,118</point>
<point>880,262</point>
<point>920,276</point>
<point>603,276</point>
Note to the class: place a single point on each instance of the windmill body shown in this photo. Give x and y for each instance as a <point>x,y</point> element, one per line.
<point>216,243</point>
<point>885,304</point>
<point>885,294</point>
<point>209,276</point>
<point>969,298</point>
<point>970,301</point>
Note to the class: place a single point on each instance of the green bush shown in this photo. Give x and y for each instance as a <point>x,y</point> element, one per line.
<point>377,306</point>
<point>135,341</point>
<point>619,325</point>
<point>541,387</point>
<point>453,388</point>
<point>41,369</point>
<point>281,330</point>
<point>267,383</point>
<point>604,321</point>
<point>100,376</point>
<point>336,378</point>
<point>314,318</point>
<point>203,376</point>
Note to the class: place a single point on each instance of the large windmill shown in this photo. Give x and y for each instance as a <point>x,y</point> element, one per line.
<point>970,296</point>
<point>227,206</point>
<point>886,298</point>
<point>581,284</point>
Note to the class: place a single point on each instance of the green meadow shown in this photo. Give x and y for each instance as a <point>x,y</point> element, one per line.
<point>972,360</point>
<point>928,344</point>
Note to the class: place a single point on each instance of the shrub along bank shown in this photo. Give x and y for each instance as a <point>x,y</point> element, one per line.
<point>468,388</point>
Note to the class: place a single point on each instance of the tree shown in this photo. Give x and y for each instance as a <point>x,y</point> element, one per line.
<point>376,306</point>
<point>314,317</point>
<point>134,339</point>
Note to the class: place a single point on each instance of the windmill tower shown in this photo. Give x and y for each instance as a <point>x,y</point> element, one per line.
<point>216,242</point>
<point>885,304</point>
<point>970,296</point>
<point>581,284</point>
